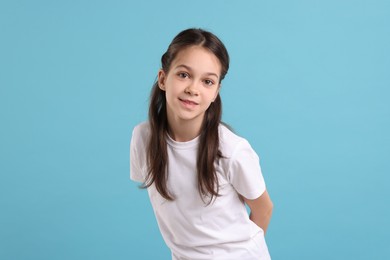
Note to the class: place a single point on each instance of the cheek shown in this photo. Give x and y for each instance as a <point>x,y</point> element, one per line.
<point>170,95</point>
<point>214,95</point>
<point>210,101</point>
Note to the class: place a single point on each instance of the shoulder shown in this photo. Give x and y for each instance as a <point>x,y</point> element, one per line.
<point>141,131</point>
<point>235,150</point>
<point>230,142</point>
<point>141,127</point>
<point>138,146</point>
<point>241,164</point>
<point>140,136</point>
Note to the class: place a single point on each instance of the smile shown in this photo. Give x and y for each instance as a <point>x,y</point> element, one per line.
<point>187,102</point>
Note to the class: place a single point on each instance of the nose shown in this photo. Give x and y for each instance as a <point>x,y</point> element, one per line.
<point>192,89</point>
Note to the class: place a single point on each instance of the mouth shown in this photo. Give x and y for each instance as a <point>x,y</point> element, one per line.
<point>188,102</point>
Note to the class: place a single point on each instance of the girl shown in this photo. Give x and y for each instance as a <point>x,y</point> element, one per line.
<point>198,173</point>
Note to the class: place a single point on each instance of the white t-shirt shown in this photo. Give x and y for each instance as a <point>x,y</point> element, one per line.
<point>190,228</point>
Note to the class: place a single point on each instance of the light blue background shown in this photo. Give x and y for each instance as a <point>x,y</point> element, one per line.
<point>308,87</point>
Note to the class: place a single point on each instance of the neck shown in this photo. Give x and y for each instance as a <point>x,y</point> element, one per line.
<point>184,130</point>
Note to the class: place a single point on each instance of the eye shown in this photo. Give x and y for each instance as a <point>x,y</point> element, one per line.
<point>208,82</point>
<point>183,75</point>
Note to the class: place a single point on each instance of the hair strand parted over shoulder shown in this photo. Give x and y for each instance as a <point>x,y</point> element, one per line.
<point>208,150</point>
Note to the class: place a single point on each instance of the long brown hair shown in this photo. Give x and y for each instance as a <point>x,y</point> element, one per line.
<point>208,151</point>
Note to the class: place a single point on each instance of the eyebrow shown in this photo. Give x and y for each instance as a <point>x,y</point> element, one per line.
<point>190,69</point>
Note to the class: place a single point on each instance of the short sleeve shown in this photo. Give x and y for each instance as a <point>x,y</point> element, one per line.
<point>135,169</point>
<point>245,172</point>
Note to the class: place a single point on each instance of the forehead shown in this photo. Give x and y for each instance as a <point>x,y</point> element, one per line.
<point>199,59</point>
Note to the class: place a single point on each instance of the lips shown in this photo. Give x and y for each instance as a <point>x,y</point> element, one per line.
<point>188,102</point>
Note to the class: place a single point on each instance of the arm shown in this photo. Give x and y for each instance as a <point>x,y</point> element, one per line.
<point>261,210</point>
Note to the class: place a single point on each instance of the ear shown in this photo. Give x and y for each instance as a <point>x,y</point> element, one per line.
<point>161,79</point>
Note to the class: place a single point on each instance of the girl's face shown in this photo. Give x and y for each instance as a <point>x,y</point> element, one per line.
<point>191,84</point>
